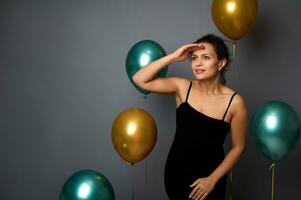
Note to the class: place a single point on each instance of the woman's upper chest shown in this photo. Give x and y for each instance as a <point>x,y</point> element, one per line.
<point>213,105</point>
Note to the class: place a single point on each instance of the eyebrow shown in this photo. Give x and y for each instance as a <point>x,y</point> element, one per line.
<point>202,54</point>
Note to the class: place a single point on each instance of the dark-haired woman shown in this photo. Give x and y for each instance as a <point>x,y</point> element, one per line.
<point>207,110</point>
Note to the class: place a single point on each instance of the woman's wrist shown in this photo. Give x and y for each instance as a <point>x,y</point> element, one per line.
<point>213,178</point>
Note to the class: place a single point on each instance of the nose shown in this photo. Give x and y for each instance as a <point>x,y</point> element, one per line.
<point>198,62</point>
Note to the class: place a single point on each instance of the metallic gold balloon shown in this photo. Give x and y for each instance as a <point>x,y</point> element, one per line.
<point>234,18</point>
<point>134,134</point>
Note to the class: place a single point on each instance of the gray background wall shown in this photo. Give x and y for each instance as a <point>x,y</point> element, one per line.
<point>63,82</point>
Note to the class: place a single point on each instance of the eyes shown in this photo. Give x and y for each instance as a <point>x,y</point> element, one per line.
<point>203,57</point>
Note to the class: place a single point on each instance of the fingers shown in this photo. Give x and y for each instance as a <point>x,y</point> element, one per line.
<point>192,47</point>
<point>185,51</point>
<point>198,194</point>
<point>204,196</point>
<point>194,183</point>
<point>195,191</point>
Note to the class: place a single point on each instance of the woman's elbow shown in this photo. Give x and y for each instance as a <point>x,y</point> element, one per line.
<point>239,148</point>
<point>136,79</point>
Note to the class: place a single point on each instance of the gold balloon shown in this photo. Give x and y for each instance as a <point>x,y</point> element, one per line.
<point>134,134</point>
<point>234,18</point>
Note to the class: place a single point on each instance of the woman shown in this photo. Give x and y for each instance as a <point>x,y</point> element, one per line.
<point>207,110</point>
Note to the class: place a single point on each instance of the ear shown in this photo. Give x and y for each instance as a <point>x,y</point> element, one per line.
<point>222,63</point>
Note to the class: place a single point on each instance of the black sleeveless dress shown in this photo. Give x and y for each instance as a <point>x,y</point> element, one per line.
<point>196,151</point>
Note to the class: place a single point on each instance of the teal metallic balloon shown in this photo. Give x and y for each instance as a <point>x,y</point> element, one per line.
<point>140,55</point>
<point>275,128</point>
<point>87,185</point>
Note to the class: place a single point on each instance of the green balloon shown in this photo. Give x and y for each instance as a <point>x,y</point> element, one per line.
<point>87,185</point>
<point>275,128</point>
<point>140,55</point>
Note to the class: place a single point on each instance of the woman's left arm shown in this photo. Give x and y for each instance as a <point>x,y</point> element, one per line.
<point>239,128</point>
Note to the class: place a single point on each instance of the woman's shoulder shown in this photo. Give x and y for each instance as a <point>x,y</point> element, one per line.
<point>238,102</point>
<point>237,97</point>
<point>228,90</point>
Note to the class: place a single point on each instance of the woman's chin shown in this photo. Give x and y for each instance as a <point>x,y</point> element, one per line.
<point>199,77</point>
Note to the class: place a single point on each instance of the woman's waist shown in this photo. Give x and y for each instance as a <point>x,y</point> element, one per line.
<point>198,140</point>
<point>208,160</point>
<point>207,151</point>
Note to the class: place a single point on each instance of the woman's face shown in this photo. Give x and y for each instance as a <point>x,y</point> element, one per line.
<point>204,62</point>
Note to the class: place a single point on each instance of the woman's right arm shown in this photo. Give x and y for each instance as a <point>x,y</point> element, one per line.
<point>146,76</point>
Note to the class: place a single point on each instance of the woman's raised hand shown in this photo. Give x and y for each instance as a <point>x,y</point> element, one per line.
<point>184,51</point>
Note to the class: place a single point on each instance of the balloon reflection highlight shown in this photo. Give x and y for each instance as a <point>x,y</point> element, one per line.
<point>144,59</point>
<point>84,191</point>
<point>271,122</point>
<point>132,127</point>
<point>231,6</point>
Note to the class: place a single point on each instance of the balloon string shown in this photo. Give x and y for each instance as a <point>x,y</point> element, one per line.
<point>272,168</point>
<point>133,191</point>
<point>230,185</point>
<point>233,50</point>
<point>146,171</point>
<point>133,197</point>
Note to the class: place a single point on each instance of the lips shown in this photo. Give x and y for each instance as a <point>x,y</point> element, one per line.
<point>199,71</point>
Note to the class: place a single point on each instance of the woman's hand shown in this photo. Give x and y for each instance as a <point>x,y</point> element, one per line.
<point>184,51</point>
<point>202,187</point>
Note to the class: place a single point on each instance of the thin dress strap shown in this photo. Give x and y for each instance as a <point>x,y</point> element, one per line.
<point>229,105</point>
<point>188,91</point>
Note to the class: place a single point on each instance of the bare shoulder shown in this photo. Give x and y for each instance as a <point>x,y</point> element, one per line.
<point>228,90</point>
<point>237,97</point>
<point>239,105</point>
<point>238,100</point>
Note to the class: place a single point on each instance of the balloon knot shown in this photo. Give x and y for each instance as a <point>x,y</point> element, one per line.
<point>273,165</point>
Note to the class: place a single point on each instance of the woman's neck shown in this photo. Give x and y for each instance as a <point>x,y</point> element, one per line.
<point>209,87</point>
